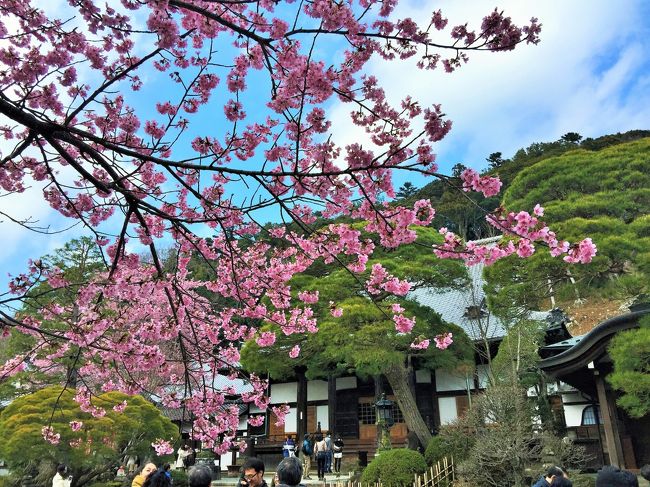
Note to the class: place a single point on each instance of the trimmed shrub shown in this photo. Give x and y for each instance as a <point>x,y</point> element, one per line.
<point>395,468</point>
<point>583,480</point>
<point>452,441</point>
<point>436,450</point>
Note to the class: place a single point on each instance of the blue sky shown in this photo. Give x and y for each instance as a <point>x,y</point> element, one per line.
<point>590,74</point>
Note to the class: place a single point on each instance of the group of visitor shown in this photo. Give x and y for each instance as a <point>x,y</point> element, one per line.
<point>327,453</point>
<point>288,473</point>
<point>608,476</point>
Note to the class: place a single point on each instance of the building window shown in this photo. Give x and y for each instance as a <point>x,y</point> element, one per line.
<point>398,417</point>
<point>589,415</point>
<point>368,413</point>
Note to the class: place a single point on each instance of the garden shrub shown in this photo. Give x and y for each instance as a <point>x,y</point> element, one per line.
<point>395,468</point>
<point>452,441</point>
<point>179,478</point>
<point>583,480</point>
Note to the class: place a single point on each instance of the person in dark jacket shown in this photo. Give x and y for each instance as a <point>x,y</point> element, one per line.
<point>252,473</point>
<point>561,482</point>
<point>551,473</point>
<point>612,476</point>
<point>199,476</point>
<point>289,473</point>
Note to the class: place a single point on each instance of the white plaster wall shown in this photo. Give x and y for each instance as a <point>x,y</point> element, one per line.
<point>573,414</point>
<point>449,381</point>
<point>243,422</point>
<point>316,390</point>
<point>346,383</point>
<point>323,416</point>
<point>573,397</point>
<point>285,392</point>
<point>226,460</point>
<point>291,421</point>
<point>482,372</point>
<point>447,408</point>
<point>423,376</point>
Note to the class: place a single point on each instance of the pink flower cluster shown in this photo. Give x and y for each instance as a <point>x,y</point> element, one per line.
<point>162,447</point>
<point>162,170</point>
<point>50,436</point>
<point>488,185</point>
<point>295,351</point>
<point>443,341</point>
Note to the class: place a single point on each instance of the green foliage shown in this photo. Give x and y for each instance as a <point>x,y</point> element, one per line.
<point>406,190</point>
<point>77,260</point>
<point>113,483</point>
<point>517,358</point>
<point>583,480</point>
<point>630,352</point>
<point>103,441</point>
<point>604,195</point>
<point>364,339</point>
<point>179,478</point>
<point>448,443</point>
<point>395,468</point>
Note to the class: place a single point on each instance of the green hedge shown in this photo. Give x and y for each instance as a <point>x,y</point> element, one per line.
<point>179,478</point>
<point>452,442</point>
<point>395,468</point>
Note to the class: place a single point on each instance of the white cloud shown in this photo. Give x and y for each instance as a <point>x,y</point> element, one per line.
<point>588,74</point>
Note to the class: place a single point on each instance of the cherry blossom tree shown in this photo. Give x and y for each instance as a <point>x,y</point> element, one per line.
<point>183,122</point>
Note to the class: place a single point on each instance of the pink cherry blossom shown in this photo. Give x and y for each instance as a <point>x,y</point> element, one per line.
<point>420,344</point>
<point>256,420</point>
<point>123,119</point>
<point>403,324</point>
<point>76,425</point>
<point>50,436</point>
<point>295,351</point>
<point>162,447</point>
<point>266,339</point>
<point>443,341</point>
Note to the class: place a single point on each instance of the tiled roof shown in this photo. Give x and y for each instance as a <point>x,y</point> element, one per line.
<point>453,305</point>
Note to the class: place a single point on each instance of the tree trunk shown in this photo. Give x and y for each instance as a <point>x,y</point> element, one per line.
<point>397,376</point>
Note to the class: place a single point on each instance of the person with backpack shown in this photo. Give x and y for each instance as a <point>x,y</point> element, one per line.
<point>306,451</point>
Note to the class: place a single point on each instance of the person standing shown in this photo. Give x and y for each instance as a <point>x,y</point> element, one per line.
<point>320,452</point>
<point>288,447</point>
<point>306,451</point>
<point>61,479</point>
<point>337,449</point>
<point>199,476</point>
<point>289,473</point>
<point>183,459</point>
<point>328,459</point>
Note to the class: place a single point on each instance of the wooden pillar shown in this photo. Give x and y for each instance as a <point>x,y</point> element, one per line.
<point>435,402</point>
<point>331,404</point>
<point>301,404</point>
<point>608,413</point>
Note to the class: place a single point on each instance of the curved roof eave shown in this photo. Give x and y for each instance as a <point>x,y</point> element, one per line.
<point>592,345</point>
